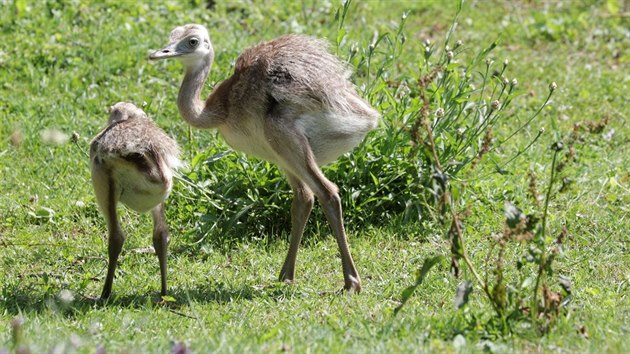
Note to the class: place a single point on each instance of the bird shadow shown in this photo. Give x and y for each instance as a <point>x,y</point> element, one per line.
<point>25,300</point>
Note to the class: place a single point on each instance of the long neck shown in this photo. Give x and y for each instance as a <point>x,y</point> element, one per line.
<point>196,112</point>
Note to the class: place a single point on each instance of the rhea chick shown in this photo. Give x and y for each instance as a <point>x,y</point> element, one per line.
<point>132,163</point>
<point>290,102</point>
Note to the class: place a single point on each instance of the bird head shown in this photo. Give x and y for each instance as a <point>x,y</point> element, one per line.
<point>123,111</point>
<point>189,43</point>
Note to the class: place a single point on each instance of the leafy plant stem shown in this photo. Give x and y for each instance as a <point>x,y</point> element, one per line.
<point>85,153</point>
<point>541,265</point>
<point>529,120</point>
<point>456,223</point>
<point>517,155</point>
<point>548,194</point>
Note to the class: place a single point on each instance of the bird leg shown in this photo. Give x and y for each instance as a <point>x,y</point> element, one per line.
<point>107,198</point>
<point>160,241</point>
<point>331,204</point>
<point>328,197</point>
<point>116,240</point>
<point>300,210</point>
<point>296,156</point>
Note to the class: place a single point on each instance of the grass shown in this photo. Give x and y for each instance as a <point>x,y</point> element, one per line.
<point>61,64</point>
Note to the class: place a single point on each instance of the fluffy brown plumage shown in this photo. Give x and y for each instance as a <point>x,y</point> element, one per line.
<point>290,102</point>
<point>132,161</point>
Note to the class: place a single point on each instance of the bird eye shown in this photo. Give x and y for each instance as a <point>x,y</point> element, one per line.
<point>193,42</point>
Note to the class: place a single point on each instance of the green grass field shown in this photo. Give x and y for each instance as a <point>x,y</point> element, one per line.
<point>62,63</point>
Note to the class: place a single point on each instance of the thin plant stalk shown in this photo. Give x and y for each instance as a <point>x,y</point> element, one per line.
<point>541,265</point>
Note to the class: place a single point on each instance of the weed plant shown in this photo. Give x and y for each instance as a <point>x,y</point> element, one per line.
<point>455,108</point>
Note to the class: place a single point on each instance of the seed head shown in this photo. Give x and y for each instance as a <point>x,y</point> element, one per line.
<point>54,136</point>
<point>427,42</point>
<point>514,82</point>
<point>505,81</point>
<point>495,105</point>
<point>439,112</point>
<point>16,329</point>
<point>553,86</point>
<point>449,54</point>
<point>16,138</point>
<point>66,296</point>
<point>506,62</point>
<point>75,137</point>
<point>94,328</point>
<point>489,61</point>
<point>17,322</point>
<point>458,44</point>
<point>542,130</point>
<point>557,146</point>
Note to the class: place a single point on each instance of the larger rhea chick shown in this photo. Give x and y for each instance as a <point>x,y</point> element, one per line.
<point>132,162</point>
<point>290,102</point>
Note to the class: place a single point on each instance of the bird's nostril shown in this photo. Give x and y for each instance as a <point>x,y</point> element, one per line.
<point>165,51</point>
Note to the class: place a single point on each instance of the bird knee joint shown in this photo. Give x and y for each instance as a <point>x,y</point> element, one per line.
<point>332,197</point>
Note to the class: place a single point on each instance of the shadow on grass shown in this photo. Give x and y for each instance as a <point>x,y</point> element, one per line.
<point>31,299</point>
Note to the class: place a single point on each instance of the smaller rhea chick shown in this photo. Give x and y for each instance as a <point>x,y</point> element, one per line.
<point>132,163</point>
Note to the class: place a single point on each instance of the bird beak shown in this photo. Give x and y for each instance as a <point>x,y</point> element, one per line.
<point>169,51</point>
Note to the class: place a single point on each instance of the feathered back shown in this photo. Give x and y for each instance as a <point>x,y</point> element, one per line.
<point>300,70</point>
<point>132,132</point>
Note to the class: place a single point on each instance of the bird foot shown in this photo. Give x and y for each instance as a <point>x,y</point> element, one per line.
<point>286,280</point>
<point>286,276</point>
<point>352,284</point>
<point>105,295</point>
